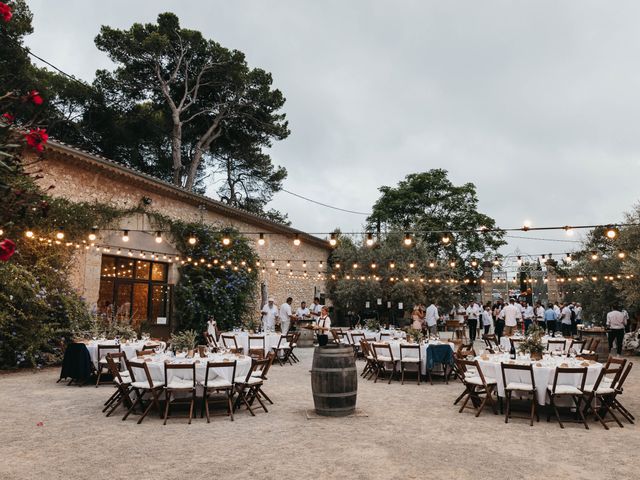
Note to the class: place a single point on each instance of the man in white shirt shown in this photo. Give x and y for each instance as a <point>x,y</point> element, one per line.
<point>528,315</point>
<point>315,309</point>
<point>511,314</point>
<point>269,314</point>
<point>565,320</point>
<point>616,322</point>
<point>473,311</point>
<point>285,316</point>
<point>539,315</point>
<point>432,319</point>
<point>303,312</point>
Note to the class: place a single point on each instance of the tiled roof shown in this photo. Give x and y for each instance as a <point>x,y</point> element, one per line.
<point>260,222</point>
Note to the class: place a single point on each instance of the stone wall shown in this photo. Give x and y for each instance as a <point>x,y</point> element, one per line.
<point>78,180</point>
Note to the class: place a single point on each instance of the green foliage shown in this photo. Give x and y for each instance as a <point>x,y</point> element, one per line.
<point>415,334</point>
<point>184,340</point>
<point>350,291</point>
<point>204,290</point>
<point>533,341</point>
<point>429,201</point>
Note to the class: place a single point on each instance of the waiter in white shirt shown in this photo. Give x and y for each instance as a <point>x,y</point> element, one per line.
<point>473,312</point>
<point>303,313</point>
<point>616,323</point>
<point>565,320</point>
<point>510,314</point>
<point>528,315</point>
<point>315,309</point>
<point>269,314</point>
<point>539,315</point>
<point>431,318</point>
<point>285,315</point>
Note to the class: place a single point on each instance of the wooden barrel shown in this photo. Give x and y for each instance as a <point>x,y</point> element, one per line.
<point>307,336</point>
<point>334,380</point>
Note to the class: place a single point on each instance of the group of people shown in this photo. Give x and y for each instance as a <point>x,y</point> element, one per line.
<point>272,315</point>
<point>425,318</point>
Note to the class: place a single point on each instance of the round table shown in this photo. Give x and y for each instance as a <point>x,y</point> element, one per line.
<point>543,372</point>
<point>270,340</point>
<point>505,342</point>
<point>129,349</point>
<point>155,363</point>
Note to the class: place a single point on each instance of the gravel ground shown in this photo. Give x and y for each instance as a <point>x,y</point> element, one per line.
<point>408,432</point>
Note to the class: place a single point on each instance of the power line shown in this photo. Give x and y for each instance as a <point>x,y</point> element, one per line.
<point>325,205</point>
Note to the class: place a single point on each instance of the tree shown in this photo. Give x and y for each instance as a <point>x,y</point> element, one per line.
<point>204,90</point>
<point>429,201</point>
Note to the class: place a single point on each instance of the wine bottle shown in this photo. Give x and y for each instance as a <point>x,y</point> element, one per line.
<point>512,352</point>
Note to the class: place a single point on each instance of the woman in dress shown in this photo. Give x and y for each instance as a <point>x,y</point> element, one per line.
<point>416,318</point>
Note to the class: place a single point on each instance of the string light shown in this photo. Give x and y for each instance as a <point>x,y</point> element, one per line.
<point>29,233</point>
<point>92,235</point>
<point>261,240</point>
<point>125,236</point>
<point>192,240</point>
<point>446,239</point>
<point>612,232</point>
<point>226,241</point>
<point>60,233</point>
<point>333,241</point>
<point>407,240</point>
<point>296,240</point>
<point>370,240</point>
<point>158,237</point>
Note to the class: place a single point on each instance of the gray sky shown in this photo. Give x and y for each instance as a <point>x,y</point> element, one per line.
<point>535,102</point>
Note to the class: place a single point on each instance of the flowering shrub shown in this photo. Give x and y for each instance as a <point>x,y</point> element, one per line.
<point>36,138</point>
<point>5,12</point>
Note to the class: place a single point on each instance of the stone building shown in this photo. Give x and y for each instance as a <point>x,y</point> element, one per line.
<point>143,288</point>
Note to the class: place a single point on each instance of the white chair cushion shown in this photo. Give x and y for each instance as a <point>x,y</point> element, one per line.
<point>526,387</point>
<point>410,360</point>
<point>217,382</point>
<point>566,389</point>
<point>602,389</point>
<point>145,384</point>
<point>478,381</point>
<point>251,381</point>
<point>471,373</point>
<point>178,383</point>
<point>382,358</point>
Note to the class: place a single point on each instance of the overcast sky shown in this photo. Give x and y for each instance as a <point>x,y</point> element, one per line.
<point>537,103</point>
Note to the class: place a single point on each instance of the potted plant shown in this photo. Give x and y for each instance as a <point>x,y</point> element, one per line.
<point>532,343</point>
<point>185,340</point>
<point>414,334</point>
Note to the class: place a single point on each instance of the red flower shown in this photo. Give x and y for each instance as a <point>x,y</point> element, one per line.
<point>36,138</point>
<point>7,249</point>
<point>8,118</point>
<point>35,97</point>
<point>5,12</point>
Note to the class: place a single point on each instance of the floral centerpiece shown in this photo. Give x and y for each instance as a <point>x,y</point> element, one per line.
<point>372,324</point>
<point>532,344</point>
<point>185,340</point>
<point>415,334</point>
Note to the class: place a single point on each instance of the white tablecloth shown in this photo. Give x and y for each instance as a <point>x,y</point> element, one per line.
<point>543,375</point>
<point>155,364</point>
<point>129,349</point>
<point>506,344</point>
<point>387,334</point>
<point>395,350</point>
<point>270,340</point>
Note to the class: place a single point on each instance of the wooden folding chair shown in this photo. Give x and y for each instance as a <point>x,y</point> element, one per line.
<point>216,383</point>
<point>371,366</point>
<point>522,387</point>
<point>256,346</point>
<point>247,387</point>
<point>383,355</point>
<point>103,367</point>
<point>174,383</point>
<point>410,355</point>
<point>556,345</point>
<point>122,381</point>
<point>616,405</point>
<point>230,342</point>
<point>142,353</point>
<point>281,351</point>
<point>211,341</point>
<point>515,344</point>
<point>478,388</point>
<point>491,341</point>
<point>385,337</point>
<point>142,385</point>
<point>355,342</point>
<point>261,371</point>
<point>292,340</point>
<point>603,393</point>
<point>556,391</point>
<point>577,346</point>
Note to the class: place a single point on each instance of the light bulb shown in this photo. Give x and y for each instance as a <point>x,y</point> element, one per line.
<point>261,240</point>
<point>125,236</point>
<point>612,232</point>
<point>158,237</point>
<point>60,234</point>
<point>370,240</point>
<point>29,233</point>
<point>226,241</point>
<point>296,240</point>
<point>192,240</point>
<point>407,240</point>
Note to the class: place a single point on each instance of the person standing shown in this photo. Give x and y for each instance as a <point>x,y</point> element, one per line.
<point>550,317</point>
<point>315,308</point>
<point>565,320</point>
<point>616,323</point>
<point>511,314</point>
<point>498,321</point>
<point>285,316</point>
<point>578,310</point>
<point>323,326</point>
<point>416,318</point>
<point>539,315</point>
<point>432,319</point>
<point>486,318</point>
<point>473,312</point>
<point>303,312</point>
<point>212,327</point>
<point>528,316</point>
<point>269,315</point>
